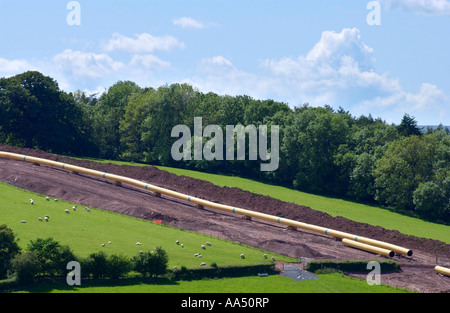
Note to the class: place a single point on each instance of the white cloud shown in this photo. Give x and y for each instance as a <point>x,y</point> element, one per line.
<point>149,62</point>
<point>338,70</point>
<point>431,7</point>
<point>142,43</point>
<point>13,67</point>
<point>188,22</point>
<point>86,63</point>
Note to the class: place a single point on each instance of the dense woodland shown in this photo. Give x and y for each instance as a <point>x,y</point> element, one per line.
<point>322,150</point>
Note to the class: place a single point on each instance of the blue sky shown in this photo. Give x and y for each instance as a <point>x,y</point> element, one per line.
<point>316,52</point>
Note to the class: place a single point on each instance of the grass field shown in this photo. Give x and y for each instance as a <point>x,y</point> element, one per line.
<point>85,232</point>
<point>359,212</point>
<point>370,214</point>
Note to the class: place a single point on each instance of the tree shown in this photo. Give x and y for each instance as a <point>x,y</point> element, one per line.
<point>151,263</point>
<point>52,256</point>
<point>431,201</point>
<point>406,163</point>
<point>26,267</point>
<point>9,248</point>
<point>36,114</point>
<point>408,126</point>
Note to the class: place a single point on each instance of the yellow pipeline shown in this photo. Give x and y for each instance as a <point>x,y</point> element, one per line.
<point>205,203</point>
<point>366,247</point>
<point>442,270</point>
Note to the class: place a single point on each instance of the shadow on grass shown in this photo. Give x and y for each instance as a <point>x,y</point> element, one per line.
<point>47,286</point>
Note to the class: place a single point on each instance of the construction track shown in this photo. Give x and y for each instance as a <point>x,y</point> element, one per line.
<point>418,271</point>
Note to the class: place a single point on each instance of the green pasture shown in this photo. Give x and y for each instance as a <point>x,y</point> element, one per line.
<point>85,232</point>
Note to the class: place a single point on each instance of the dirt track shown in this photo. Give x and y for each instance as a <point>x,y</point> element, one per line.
<point>417,272</point>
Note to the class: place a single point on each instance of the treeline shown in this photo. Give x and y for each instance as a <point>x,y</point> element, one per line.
<point>322,150</point>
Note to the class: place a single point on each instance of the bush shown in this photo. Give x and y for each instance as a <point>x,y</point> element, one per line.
<point>95,264</point>
<point>52,256</point>
<point>26,267</point>
<point>117,266</point>
<point>8,249</point>
<point>151,263</point>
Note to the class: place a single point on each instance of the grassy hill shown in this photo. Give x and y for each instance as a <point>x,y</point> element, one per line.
<point>84,232</point>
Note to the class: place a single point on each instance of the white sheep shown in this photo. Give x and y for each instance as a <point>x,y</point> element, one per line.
<point>203,247</point>
<point>182,246</point>
<point>47,198</point>
<point>208,244</point>
<point>175,267</point>
<point>273,258</point>
<point>242,256</point>
<point>46,218</point>
<point>87,209</point>
<point>177,242</point>
<point>74,207</point>
<point>265,256</point>
<point>56,200</point>
<point>138,243</point>
<point>103,244</point>
<point>109,242</point>
<point>40,219</point>
<point>31,201</point>
<point>23,221</point>
<point>203,264</point>
<point>67,211</point>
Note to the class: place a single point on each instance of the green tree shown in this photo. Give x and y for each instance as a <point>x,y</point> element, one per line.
<point>37,114</point>
<point>151,263</point>
<point>26,267</point>
<point>52,256</point>
<point>405,164</point>
<point>9,248</point>
<point>408,126</point>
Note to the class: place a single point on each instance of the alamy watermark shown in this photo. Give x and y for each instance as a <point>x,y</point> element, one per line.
<point>74,276</point>
<point>213,149</point>
<point>74,16</point>
<point>374,16</point>
<point>374,277</point>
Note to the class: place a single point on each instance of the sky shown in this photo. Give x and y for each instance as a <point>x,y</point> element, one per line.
<point>386,58</point>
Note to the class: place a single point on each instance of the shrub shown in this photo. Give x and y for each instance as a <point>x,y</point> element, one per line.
<point>151,263</point>
<point>52,256</point>
<point>26,267</point>
<point>95,264</point>
<point>8,249</point>
<point>117,266</point>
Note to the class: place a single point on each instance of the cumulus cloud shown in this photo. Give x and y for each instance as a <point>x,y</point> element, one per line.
<point>431,7</point>
<point>339,70</point>
<point>88,64</point>
<point>142,43</point>
<point>13,67</point>
<point>188,22</point>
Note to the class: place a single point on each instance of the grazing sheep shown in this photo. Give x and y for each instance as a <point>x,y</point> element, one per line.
<point>87,209</point>
<point>56,200</point>
<point>46,218</point>
<point>31,201</point>
<point>242,256</point>
<point>177,242</point>
<point>23,221</point>
<point>182,246</point>
<point>40,219</point>
<point>199,256</point>
<point>203,264</point>
<point>103,244</point>
<point>208,244</point>
<point>273,258</point>
<point>203,247</point>
<point>74,207</point>
<point>67,211</point>
<point>47,198</point>
<point>175,267</point>
<point>138,243</point>
<point>265,256</point>
<point>109,242</point>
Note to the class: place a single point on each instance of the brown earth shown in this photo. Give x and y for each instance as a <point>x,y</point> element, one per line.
<point>417,271</point>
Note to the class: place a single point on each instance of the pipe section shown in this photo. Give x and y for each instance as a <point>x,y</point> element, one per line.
<point>369,248</point>
<point>210,204</point>
<point>442,270</point>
